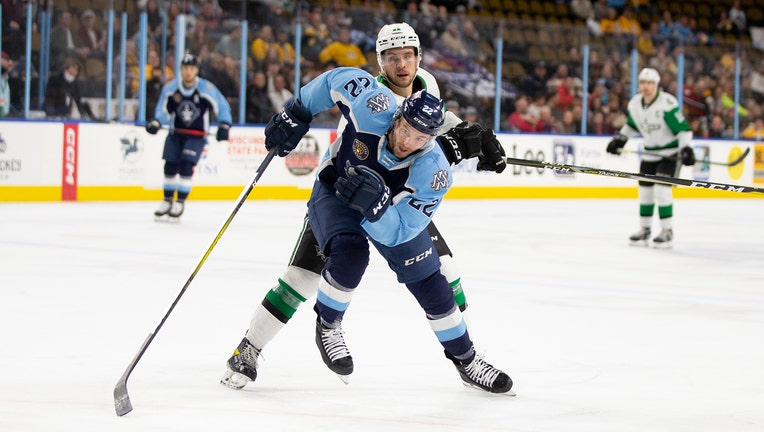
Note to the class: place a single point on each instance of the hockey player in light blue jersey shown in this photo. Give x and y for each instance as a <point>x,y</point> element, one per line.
<point>185,105</point>
<point>381,181</point>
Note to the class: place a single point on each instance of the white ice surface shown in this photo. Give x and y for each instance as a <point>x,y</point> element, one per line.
<point>597,335</point>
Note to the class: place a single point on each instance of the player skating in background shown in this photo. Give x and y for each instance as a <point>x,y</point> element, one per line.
<point>657,117</point>
<point>399,55</point>
<point>381,180</point>
<point>185,106</point>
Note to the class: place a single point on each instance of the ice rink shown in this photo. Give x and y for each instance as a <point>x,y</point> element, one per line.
<point>596,334</point>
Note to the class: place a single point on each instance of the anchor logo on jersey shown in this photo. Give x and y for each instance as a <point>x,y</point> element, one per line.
<point>188,112</point>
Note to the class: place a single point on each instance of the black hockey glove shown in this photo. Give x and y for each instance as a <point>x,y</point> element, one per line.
<point>222,134</point>
<point>153,126</point>
<point>687,156</point>
<point>285,130</point>
<point>492,156</point>
<point>616,144</point>
<point>365,191</point>
<point>461,142</point>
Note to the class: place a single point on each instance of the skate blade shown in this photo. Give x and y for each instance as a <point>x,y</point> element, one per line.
<point>510,392</point>
<point>344,378</point>
<point>665,245</point>
<point>162,218</point>
<point>639,243</point>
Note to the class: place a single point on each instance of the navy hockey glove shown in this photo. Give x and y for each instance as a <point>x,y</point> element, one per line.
<point>365,191</point>
<point>492,156</point>
<point>461,142</point>
<point>222,134</point>
<point>687,155</point>
<point>153,126</point>
<point>285,130</point>
<point>616,144</point>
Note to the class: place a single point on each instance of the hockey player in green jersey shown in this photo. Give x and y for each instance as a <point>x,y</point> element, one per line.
<point>657,117</point>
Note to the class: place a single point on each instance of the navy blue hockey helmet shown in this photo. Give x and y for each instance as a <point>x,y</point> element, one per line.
<point>189,60</point>
<point>423,111</point>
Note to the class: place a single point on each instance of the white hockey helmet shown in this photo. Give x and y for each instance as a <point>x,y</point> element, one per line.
<point>398,35</point>
<point>649,74</point>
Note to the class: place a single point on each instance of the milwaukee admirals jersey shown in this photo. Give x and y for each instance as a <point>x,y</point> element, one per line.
<point>417,183</point>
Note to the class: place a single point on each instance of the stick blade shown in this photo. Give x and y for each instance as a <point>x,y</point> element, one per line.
<point>121,399</point>
<point>741,157</point>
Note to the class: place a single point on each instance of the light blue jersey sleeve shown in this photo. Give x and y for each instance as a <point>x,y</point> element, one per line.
<point>359,96</point>
<point>161,112</point>
<point>219,103</point>
<point>429,180</point>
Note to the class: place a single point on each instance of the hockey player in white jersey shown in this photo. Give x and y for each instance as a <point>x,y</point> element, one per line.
<point>657,117</point>
<point>398,54</point>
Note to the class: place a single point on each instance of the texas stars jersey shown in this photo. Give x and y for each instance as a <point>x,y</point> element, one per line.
<point>417,183</point>
<point>661,124</point>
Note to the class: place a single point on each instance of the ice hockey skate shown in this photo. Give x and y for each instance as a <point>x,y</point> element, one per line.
<point>480,374</point>
<point>334,352</point>
<point>242,366</point>
<point>176,211</point>
<point>164,209</point>
<point>641,237</point>
<point>664,239</point>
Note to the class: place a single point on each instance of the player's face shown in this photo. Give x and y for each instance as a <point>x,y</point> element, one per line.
<point>648,90</point>
<point>399,66</point>
<point>404,139</point>
<point>188,73</point>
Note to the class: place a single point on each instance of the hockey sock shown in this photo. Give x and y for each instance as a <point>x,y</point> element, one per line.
<point>448,268</point>
<point>443,315</point>
<point>169,187</point>
<point>665,200</point>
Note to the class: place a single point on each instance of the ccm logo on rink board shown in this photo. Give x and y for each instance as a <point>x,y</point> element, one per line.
<point>69,172</point>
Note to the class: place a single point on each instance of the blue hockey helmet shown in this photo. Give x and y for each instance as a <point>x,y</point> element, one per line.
<point>423,111</point>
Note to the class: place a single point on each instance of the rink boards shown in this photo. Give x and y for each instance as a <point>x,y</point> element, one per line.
<point>52,161</point>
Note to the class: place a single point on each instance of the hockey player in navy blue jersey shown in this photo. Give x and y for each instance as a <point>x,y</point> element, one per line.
<point>381,181</point>
<point>185,105</point>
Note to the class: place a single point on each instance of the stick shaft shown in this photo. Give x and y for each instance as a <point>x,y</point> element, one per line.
<point>122,402</point>
<point>732,163</point>
<point>635,176</point>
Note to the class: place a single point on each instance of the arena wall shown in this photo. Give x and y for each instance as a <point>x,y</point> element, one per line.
<point>52,161</point>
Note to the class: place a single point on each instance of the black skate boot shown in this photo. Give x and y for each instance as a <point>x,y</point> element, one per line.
<point>664,239</point>
<point>163,210</point>
<point>480,374</point>
<point>242,366</point>
<point>641,237</point>
<point>334,352</point>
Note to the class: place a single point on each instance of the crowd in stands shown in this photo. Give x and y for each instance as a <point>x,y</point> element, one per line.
<point>547,90</point>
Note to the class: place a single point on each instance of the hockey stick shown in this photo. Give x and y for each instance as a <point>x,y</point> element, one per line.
<point>731,163</point>
<point>634,176</point>
<point>121,397</point>
<point>193,132</point>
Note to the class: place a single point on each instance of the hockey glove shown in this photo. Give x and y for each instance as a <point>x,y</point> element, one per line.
<point>153,126</point>
<point>365,191</point>
<point>687,156</point>
<point>222,134</point>
<point>461,142</point>
<point>492,156</point>
<point>285,130</point>
<point>616,144</point>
